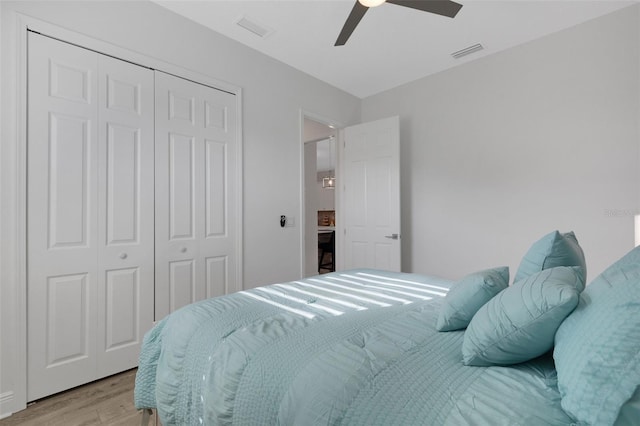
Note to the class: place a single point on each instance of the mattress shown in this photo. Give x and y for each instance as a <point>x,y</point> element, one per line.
<point>355,348</point>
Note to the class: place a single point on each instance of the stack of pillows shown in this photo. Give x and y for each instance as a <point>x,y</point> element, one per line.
<point>594,332</point>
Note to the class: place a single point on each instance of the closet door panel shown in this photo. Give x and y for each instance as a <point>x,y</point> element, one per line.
<point>68,191</point>
<point>67,333</point>
<point>218,234</point>
<point>216,273</point>
<point>182,182</point>
<point>62,199</point>
<point>182,283</point>
<point>123,184</point>
<point>177,188</point>
<point>122,313</point>
<point>215,189</point>
<point>89,215</point>
<point>195,213</point>
<point>126,187</point>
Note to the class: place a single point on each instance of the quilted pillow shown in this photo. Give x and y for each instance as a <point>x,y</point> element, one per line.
<point>520,322</point>
<point>554,249</point>
<point>468,295</point>
<point>597,348</point>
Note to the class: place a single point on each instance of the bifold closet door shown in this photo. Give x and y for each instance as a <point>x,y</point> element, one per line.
<point>90,214</point>
<point>196,215</point>
<point>125,212</point>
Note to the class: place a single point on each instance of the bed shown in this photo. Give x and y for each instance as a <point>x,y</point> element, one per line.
<point>359,347</point>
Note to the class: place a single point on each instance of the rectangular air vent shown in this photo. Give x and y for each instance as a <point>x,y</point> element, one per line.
<point>467,51</point>
<point>251,26</point>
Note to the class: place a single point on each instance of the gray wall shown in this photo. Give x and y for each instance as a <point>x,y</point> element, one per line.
<point>273,95</point>
<point>499,151</point>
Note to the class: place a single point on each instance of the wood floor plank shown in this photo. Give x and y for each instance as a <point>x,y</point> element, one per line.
<point>105,402</point>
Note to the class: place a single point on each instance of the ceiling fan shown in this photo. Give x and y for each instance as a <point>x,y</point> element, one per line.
<point>441,7</point>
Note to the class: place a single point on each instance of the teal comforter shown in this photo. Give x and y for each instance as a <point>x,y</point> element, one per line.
<point>354,348</point>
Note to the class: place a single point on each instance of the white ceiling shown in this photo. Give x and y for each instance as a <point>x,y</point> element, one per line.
<point>392,45</point>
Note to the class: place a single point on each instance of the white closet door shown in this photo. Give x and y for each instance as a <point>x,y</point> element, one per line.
<point>196,223</point>
<point>125,214</point>
<point>90,203</point>
<point>62,224</point>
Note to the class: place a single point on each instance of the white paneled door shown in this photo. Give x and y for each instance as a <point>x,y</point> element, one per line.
<point>90,214</point>
<point>371,195</point>
<point>125,212</point>
<point>196,214</point>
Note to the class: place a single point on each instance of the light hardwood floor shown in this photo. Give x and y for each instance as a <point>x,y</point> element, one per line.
<point>105,402</point>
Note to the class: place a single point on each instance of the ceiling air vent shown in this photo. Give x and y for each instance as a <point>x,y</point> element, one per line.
<point>257,29</point>
<point>467,51</point>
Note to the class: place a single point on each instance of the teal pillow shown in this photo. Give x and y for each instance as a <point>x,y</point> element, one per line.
<point>468,295</point>
<point>554,249</point>
<point>520,323</point>
<point>597,348</point>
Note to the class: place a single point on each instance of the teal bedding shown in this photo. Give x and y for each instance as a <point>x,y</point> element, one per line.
<point>354,348</point>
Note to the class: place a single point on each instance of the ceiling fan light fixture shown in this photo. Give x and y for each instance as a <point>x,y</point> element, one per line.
<point>371,3</point>
<point>448,8</point>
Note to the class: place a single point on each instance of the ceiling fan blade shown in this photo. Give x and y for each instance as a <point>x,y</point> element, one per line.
<point>350,25</point>
<point>439,7</point>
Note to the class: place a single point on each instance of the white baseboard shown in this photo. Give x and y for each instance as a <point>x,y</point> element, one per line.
<point>5,400</point>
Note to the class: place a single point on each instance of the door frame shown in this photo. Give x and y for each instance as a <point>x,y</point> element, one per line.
<point>13,181</point>
<point>303,204</point>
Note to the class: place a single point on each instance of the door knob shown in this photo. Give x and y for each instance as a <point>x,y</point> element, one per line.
<point>392,236</point>
<point>123,256</point>
<point>183,250</point>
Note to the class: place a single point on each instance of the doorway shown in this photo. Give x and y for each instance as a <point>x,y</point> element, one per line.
<point>367,194</point>
<point>319,197</point>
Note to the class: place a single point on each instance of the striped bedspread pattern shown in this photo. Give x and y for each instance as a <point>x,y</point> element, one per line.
<point>355,347</point>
